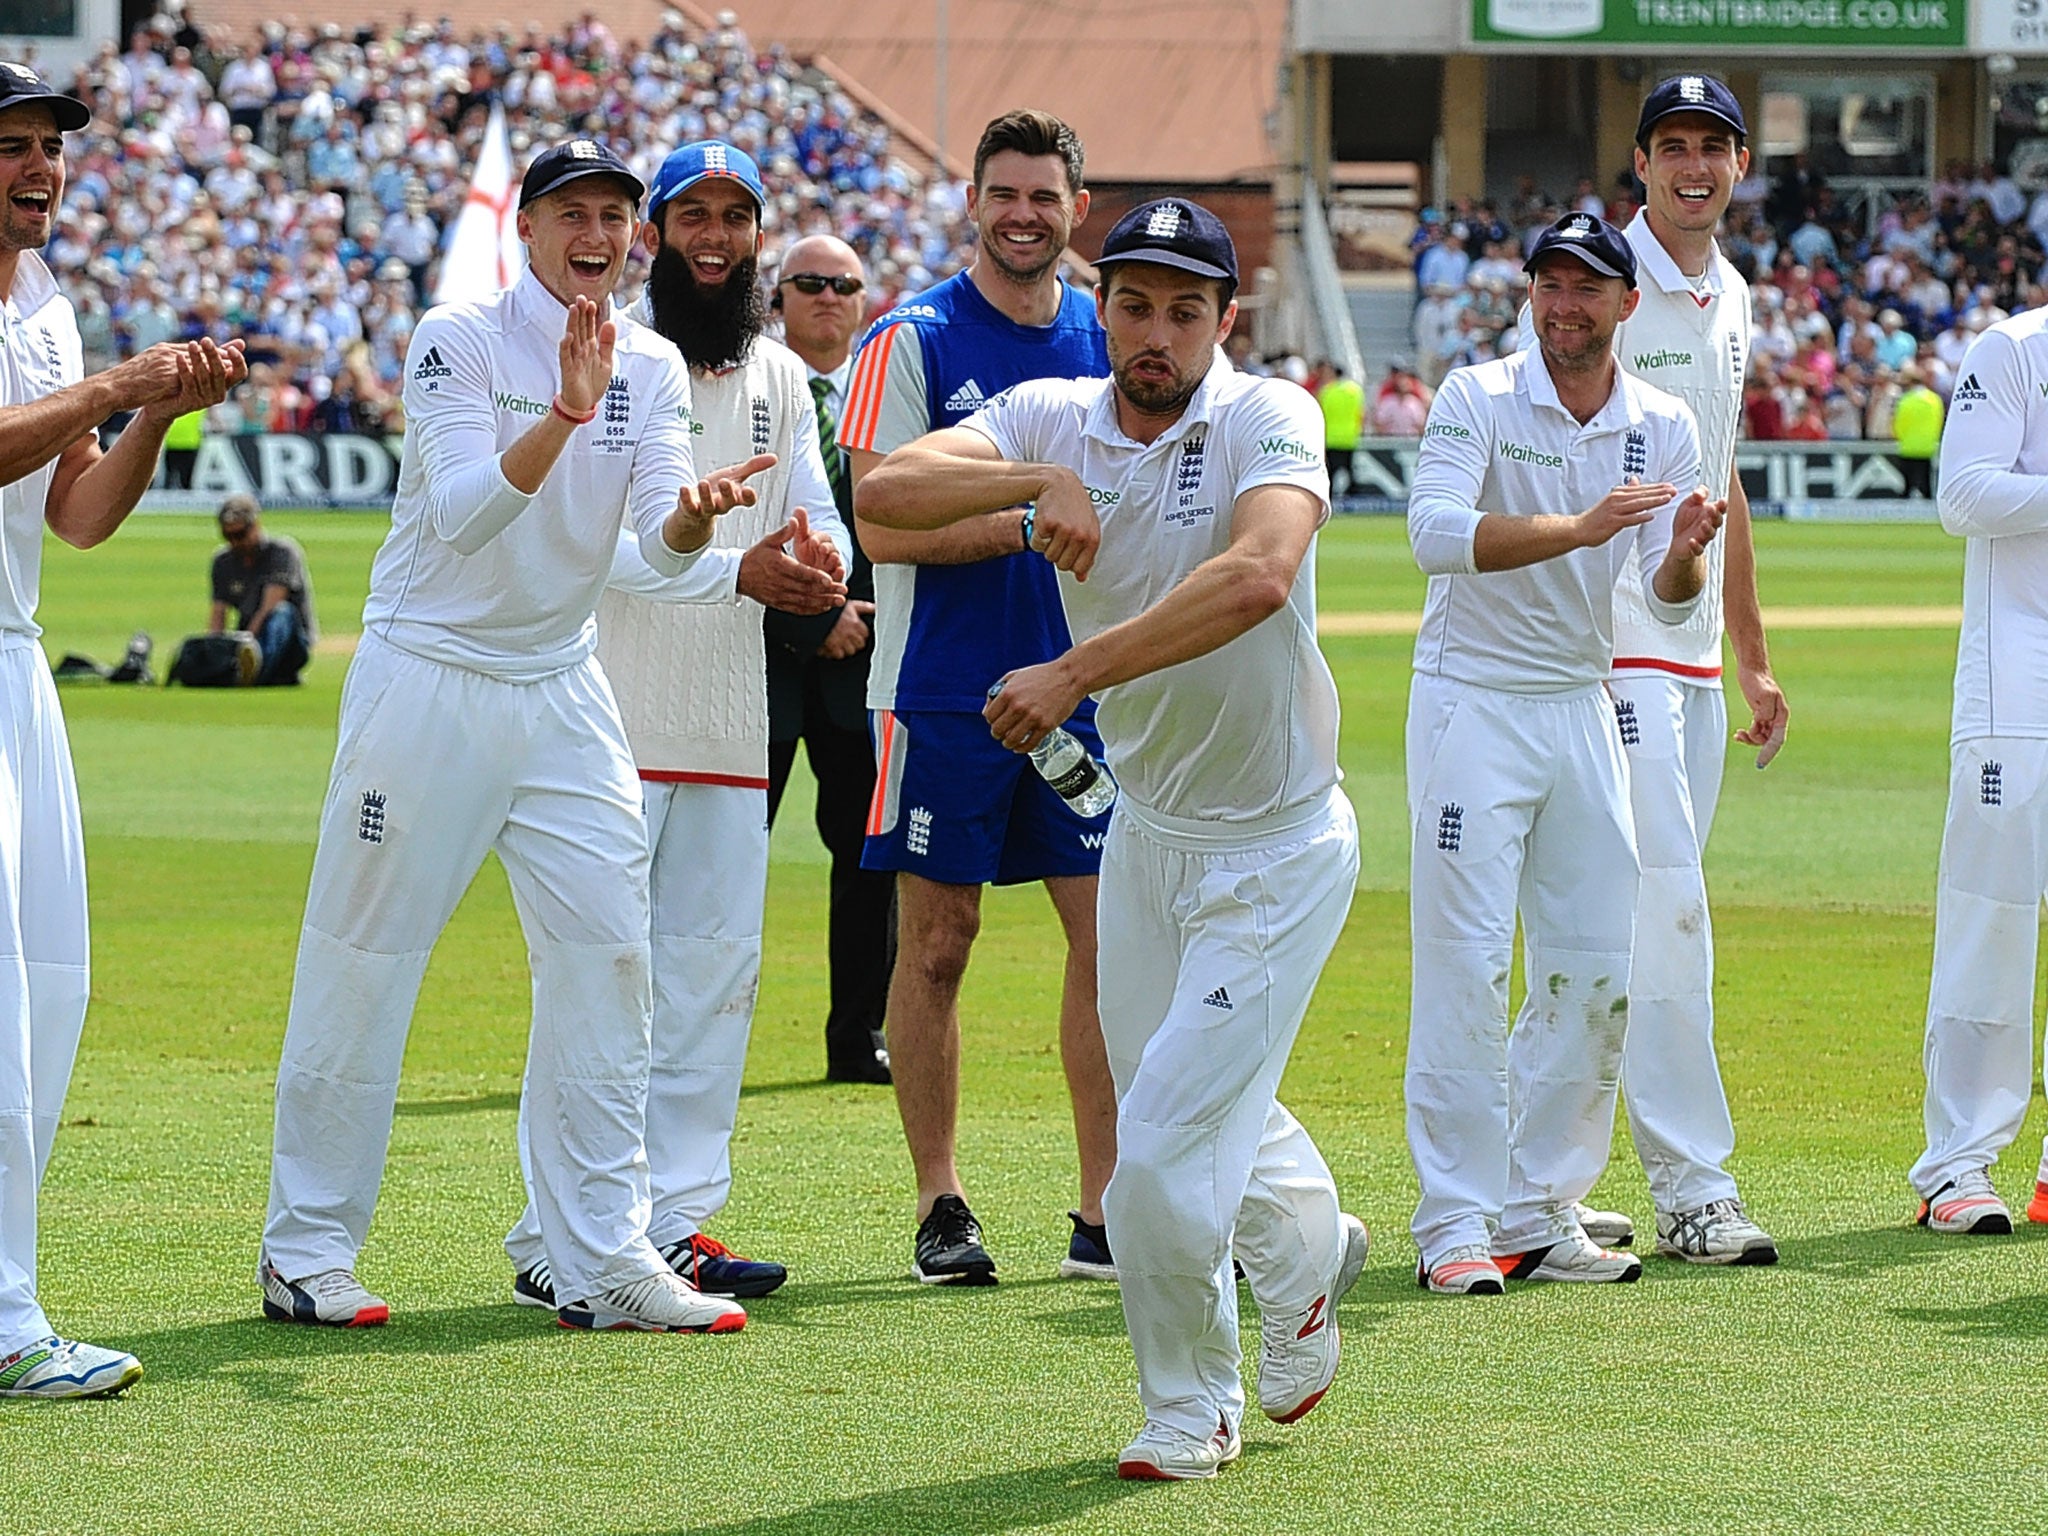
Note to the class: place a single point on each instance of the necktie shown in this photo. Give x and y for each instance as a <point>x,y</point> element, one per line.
<point>828,441</point>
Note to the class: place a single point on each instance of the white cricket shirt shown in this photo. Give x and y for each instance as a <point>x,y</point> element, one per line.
<point>1499,440</point>
<point>1994,492</point>
<point>39,355</point>
<point>1692,342</point>
<point>686,657</point>
<point>474,572</point>
<point>1250,729</point>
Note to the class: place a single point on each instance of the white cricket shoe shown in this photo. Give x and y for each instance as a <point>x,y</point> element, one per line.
<point>1719,1232</point>
<point>1576,1257</point>
<point>1298,1350</point>
<point>55,1367</point>
<point>1966,1204</point>
<point>1464,1271</point>
<point>334,1298</point>
<point>1610,1229</point>
<point>663,1303</point>
<point>1162,1454</point>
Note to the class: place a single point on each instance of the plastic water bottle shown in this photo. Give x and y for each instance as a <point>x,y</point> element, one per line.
<point>1075,776</point>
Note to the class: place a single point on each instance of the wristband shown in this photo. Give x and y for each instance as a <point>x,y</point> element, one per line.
<point>1030,526</point>
<point>570,416</point>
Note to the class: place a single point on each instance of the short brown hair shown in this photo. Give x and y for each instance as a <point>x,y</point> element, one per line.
<point>1030,132</point>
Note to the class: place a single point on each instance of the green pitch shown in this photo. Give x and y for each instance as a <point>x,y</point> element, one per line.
<point>1879,1379</point>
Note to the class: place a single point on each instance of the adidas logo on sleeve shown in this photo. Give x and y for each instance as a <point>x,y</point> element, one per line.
<point>967,399</point>
<point>431,366</point>
<point>1219,999</point>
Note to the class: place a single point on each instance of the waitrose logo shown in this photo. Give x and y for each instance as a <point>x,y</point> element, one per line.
<point>1522,453</point>
<point>520,404</point>
<point>1663,359</point>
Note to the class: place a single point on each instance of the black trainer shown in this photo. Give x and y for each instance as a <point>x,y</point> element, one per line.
<point>861,1056</point>
<point>949,1250</point>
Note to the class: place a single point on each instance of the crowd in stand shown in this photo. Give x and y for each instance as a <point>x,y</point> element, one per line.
<point>294,188</point>
<point>1851,312</point>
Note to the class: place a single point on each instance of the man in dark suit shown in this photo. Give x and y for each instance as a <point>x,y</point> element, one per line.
<point>818,678</point>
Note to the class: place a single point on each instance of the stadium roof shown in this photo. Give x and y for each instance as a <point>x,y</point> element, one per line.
<point>1159,90</point>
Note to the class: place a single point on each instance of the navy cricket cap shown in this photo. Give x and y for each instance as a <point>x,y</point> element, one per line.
<point>571,161</point>
<point>692,163</point>
<point>1173,233</point>
<point>1690,93</point>
<point>19,83</point>
<point>1594,241</point>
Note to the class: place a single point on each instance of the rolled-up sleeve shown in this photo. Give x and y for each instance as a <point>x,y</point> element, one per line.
<point>1983,494</point>
<point>1443,511</point>
<point>450,417</point>
<point>1679,465</point>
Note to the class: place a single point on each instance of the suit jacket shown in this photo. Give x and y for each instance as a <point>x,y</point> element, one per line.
<point>793,659</point>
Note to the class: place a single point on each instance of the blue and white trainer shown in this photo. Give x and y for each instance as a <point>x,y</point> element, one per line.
<point>535,1287</point>
<point>334,1298</point>
<point>716,1270</point>
<point>1088,1256</point>
<point>661,1303</point>
<point>55,1367</point>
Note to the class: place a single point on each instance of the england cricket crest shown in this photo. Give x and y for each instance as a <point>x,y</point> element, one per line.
<point>1635,454</point>
<point>761,424</point>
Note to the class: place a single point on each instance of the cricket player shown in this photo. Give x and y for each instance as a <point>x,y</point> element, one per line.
<point>1994,849</point>
<point>53,474</point>
<point>1540,477</point>
<point>1689,336</point>
<point>476,717</point>
<point>689,671</point>
<point>954,610</point>
<point>1181,499</point>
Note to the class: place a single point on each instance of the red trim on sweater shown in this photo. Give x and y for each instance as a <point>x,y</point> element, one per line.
<point>1654,664</point>
<point>732,780</point>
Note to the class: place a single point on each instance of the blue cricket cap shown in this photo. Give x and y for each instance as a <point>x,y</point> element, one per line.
<point>1594,241</point>
<point>692,163</point>
<point>1690,93</point>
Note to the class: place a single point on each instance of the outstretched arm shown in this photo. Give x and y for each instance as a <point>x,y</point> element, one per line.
<point>1221,599</point>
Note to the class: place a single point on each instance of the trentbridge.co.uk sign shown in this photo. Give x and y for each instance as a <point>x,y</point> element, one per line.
<point>1822,25</point>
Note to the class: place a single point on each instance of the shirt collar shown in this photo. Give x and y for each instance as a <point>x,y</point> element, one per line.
<point>33,286</point>
<point>1101,423</point>
<point>1622,407</point>
<point>1651,257</point>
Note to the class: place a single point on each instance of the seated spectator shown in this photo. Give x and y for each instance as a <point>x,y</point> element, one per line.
<point>1401,407</point>
<point>264,580</point>
<point>1896,346</point>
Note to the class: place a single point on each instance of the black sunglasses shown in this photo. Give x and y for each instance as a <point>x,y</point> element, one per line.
<point>813,282</point>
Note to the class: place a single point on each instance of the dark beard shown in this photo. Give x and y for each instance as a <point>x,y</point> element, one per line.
<point>715,328</point>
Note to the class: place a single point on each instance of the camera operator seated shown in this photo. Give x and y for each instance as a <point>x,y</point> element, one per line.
<point>264,580</point>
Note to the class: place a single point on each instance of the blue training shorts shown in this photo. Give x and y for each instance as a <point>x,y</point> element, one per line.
<point>953,804</point>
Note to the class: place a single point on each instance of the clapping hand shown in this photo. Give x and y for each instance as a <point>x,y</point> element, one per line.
<point>587,343</point>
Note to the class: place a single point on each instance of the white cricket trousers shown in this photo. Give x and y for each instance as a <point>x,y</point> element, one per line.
<point>1987,924</point>
<point>1208,953</point>
<point>1675,735</point>
<point>710,885</point>
<point>1519,803</point>
<point>43,962</point>
<point>435,766</point>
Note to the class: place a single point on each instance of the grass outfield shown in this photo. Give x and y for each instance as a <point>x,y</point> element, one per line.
<point>1878,1379</point>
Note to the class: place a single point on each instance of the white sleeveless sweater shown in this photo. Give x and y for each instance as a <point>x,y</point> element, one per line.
<point>691,678</point>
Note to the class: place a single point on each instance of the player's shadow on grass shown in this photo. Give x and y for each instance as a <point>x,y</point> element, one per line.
<point>476,1103</point>
<point>789,1307</point>
<point>1029,1498</point>
<point>255,1354</point>
<point>1858,1254</point>
<point>2016,1317</point>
